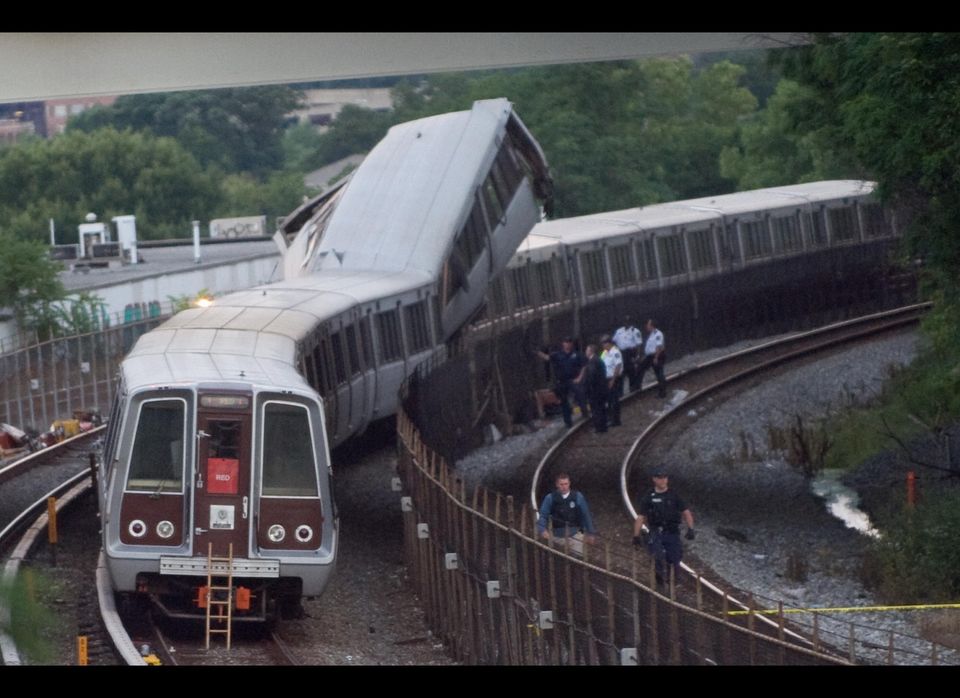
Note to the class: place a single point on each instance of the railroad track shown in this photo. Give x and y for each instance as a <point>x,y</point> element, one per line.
<point>69,466</point>
<point>605,465</point>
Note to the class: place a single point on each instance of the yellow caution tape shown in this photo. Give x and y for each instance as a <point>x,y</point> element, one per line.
<point>845,609</point>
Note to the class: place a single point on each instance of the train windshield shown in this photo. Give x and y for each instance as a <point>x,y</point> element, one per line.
<point>156,461</point>
<point>289,465</point>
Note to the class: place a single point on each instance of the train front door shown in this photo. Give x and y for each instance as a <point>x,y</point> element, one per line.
<point>222,486</point>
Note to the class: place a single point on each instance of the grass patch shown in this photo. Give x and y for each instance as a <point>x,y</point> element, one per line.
<point>29,623</point>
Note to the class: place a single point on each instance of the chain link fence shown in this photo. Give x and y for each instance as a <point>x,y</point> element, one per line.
<point>498,595</point>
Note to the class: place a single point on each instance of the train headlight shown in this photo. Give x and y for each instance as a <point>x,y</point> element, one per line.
<point>276,533</point>
<point>137,528</point>
<point>165,529</point>
<point>304,533</point>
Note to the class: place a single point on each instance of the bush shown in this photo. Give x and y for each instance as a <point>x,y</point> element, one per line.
<point>918,558</point>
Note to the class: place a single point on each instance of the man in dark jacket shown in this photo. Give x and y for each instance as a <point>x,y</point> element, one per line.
<point>568,366</point>
<point>596,387</point>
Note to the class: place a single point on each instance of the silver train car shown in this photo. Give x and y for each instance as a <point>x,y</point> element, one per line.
<point>220,434</point>
<point>589,258</point>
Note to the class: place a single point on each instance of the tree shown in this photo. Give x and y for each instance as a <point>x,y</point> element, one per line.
<point>617,135</point>
<point>887,104</point>
<point>236,129</point>
<point>772,150</point>
<point>29,283</point>
<point>108,172</point>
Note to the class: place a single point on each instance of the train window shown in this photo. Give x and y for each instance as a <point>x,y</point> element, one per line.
<point>503,186</point>
<point>156,460</point>
<point>509,168</point>
<point>594,270</point>
<point>113,431</point>
<point>418,331</point>
<point>621,266</point>
<point>730,243</point>
<point>322,366</point>
<point>843,223</point>
<point>521,286</point>
<point>307,366</point>
<point>388,328</point>
<point>366,343</point>
<point>756,239</point>
<point>786,230</point>
<point>648,262</point>
<point>437,319</point>
<point>818,231</point>
<point>339,367</point>
<point>875,223</point>
<point>492,206</point>
<point>288,467</point>
<point>673,260</point>
<point>353,354</point>
<point>546,283</point>
<point>701,249</point>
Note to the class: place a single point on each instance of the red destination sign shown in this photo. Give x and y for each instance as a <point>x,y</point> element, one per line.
<point>222,475</point>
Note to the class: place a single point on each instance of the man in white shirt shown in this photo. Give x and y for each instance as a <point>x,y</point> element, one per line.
<point>654,355</point>
<point>613,361</point>
<point>628,340</point>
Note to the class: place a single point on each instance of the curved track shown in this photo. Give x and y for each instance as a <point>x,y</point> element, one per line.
<point>603,464</point>
<point>69,467</point>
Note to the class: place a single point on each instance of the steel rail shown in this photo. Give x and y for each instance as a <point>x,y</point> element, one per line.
<point>890,319</point>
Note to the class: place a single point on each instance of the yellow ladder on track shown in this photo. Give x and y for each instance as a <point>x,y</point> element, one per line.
<point>215,593</point>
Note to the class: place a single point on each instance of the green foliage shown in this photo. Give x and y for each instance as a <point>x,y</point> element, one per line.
<point>772,151</point>
<point>80,313</point>
<point>355,130</point>
<point>108,172</point>
<point>281,193</point>
<point>918,558</point>
<point>29,622</point>
<point>617,135</point>
<point>29,283</point>
<point>186,301</point>
<point>235,129</point>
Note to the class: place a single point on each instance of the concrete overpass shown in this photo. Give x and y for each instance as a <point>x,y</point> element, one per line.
<point>39,66</point>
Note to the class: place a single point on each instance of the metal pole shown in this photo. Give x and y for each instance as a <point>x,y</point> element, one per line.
<point>196,242</point>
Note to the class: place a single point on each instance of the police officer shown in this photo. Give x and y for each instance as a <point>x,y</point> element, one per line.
<point>613,361</point>
<point>567,513</point>
<point>658,524</point>
<point>628,340</point>
<point>568,366</point>
<point>655,356</point>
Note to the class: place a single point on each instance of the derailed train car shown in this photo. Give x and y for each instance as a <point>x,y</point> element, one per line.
<point>219,437</point>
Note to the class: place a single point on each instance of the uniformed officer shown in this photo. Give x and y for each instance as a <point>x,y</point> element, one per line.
<point>654,355</point>
<point>568,366</point>
<point>568,516</point>
<point>628,339</point>
<point>658,524</point>
<point>613,362</point>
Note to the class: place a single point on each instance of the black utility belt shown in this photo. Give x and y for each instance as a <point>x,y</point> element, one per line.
<point>665,529</point>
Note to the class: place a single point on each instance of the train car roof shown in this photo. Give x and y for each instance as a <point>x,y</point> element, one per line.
<point>691,211</point>
<point>255,331</point>
<point>403,205</point>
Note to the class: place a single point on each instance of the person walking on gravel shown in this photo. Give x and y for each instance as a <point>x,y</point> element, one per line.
<point>658,525</point>
<point>565,516</point>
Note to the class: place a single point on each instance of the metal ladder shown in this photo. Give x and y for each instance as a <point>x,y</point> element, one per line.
<point>224,612</point>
